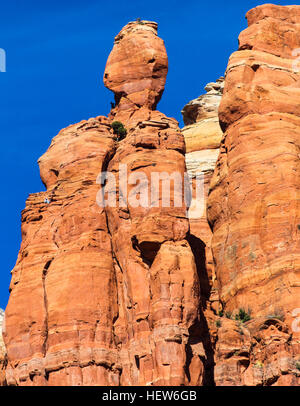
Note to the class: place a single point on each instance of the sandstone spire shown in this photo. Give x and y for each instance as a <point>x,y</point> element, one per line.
<point>137,66</point>
<point>109,295</point>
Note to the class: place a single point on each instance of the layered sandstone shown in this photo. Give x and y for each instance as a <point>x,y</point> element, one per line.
<point>62,305</point>
<point>2,351</point>
<point>202,134</point>
<point>200,116</point>
<point>253,205</point>
<point>137,66</point>
<point>112,286</point>
<point>109,294</point>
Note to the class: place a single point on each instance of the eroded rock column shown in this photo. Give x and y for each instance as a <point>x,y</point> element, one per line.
<point>109,294</point>
<point>62,304</point>
<point>159,290</point>
<point>253,206</point>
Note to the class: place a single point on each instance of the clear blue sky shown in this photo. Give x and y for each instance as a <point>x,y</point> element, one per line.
<point>56,54</point>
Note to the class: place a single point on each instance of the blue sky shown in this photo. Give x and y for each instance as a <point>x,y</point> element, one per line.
<point>56,53</point>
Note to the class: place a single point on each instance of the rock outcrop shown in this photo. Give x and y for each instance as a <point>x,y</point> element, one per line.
<point>137,67</point>
<point>108,294</point>
<point>62,304</point>
<point>2,351</point>
<point>202,134</point>
<point>123,277</point>
<point>253,205</point>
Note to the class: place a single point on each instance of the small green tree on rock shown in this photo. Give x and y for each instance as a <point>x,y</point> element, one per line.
<point>119,130</point>
<point>243,315</point>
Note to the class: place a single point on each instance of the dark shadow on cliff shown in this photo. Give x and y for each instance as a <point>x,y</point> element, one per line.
<point>199,332</point>
<point>198,249</point>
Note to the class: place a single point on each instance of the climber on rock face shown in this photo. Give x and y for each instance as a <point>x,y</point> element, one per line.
<point>47,201</point>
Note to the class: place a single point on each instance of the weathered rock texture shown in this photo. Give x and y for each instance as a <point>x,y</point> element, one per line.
<point>109,295</point>
<point>137,67</point>
<point>203,135</point>
<point>62,305</point>
<point>253,205</point>
<point>126,293</point>
<point>2,351</point>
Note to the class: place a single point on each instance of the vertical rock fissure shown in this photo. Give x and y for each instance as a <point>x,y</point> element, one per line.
<point>203,137</point>
<point>45,271</point>
<point>200,331</point>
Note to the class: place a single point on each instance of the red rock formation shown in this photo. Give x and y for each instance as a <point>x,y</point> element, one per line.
<point>253,205</point>
<point>119,294</point>
<point>137,67</point>
<point>2,352</point>
<point>59,318</point>
<point>156,273</point>
<point>202,135</point>
<point>109,295</point>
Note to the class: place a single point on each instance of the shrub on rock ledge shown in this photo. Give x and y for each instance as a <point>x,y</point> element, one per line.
<point>119,130</point>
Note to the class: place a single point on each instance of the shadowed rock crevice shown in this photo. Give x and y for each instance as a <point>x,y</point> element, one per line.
<point>45,333</point>
<point>198,249</point>
<point>200,332</point>
<point>147,249</point>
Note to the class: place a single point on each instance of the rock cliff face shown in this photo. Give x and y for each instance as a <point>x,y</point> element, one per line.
<point>253,204</point>
<point>2,351</point>
<point>118,283</point>
<point>109,294</point>
<point>202,134</point>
